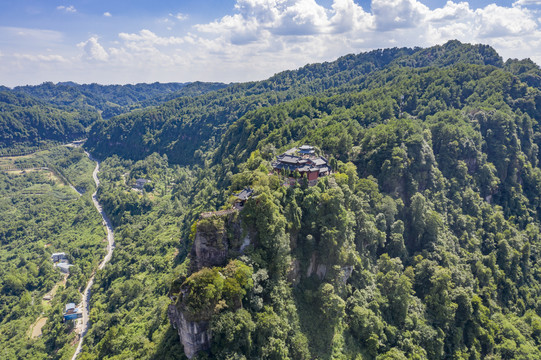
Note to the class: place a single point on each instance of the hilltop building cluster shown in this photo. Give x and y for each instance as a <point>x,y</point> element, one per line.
<point>305,162</point>
<point>296,164</point>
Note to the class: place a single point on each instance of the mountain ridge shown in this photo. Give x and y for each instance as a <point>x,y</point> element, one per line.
<point>171,120</point>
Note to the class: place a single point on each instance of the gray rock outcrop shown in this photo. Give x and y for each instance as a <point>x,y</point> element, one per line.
<point>194,335</point>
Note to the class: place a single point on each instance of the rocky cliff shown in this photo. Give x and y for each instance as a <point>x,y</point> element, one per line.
<point>218,237</point>
<point>194,335</point>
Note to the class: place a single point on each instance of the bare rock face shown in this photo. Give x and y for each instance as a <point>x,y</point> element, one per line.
<point>314,267</point>
<point>194,335</point>
<point>216,239</point>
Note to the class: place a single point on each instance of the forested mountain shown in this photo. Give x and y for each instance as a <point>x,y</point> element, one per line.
<point>423,243</point>
<point>35,116</point>
<point>27,122</point>
<point>111,100</point>
<point>200,121</point>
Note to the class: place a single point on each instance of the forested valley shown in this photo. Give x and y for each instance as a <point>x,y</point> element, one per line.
<point>423,243</point>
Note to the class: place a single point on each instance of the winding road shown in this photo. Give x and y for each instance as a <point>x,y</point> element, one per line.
<point>82,326</point>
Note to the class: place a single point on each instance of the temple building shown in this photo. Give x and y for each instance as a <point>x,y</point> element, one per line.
<point>304,161</point>
<point>242,197</point>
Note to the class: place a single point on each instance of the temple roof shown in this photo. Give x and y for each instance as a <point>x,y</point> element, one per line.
<point>245,194</point>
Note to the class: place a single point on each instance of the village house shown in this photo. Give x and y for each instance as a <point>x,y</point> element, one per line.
<point>64,267</point>
<point>304,161</point>
<point>60,261</point>
<point>140,184</point>
<point>58,257</point>
<point>71,312</point>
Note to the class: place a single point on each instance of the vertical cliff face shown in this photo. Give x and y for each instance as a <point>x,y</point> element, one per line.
<point>218,238</point>
<point>194,335</point>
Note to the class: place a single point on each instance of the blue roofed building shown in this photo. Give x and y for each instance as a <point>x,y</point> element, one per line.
<point>72,312</point>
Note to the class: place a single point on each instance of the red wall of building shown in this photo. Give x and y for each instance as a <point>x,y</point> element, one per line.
<point>313,175</point>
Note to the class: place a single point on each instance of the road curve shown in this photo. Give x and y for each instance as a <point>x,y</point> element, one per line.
<point>85,304</point>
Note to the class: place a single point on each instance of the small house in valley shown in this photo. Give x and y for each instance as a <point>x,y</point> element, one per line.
<point>64,267</point>
<point>303,161</point>
<point>58,257</point>
<point>140,184</point>
<point>60,261</point>
<point>72,312</point>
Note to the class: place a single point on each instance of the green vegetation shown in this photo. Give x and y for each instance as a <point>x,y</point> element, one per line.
<point>423,243</point>
<point>40,215</point>
<point>27,124</point>
<point>111,100</point>
<point>37,117</point>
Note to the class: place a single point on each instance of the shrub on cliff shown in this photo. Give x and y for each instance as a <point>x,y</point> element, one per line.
<point>210,290</point>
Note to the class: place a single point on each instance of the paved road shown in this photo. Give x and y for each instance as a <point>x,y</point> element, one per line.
<point>85,304</point>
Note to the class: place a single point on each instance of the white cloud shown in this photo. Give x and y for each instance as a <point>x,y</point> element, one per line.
<point>179,16</point>
<point>28,34</point>
<point>527,2</point>
<point>451,12</point>
<point>348,16</point>
<point>148,38</point>
<point>92,50</point>
<point>397,14</point>
<point>497,21</point>
<point>68,9</point>
<point>41,57</point>
<point>280,17</point>
<point>262,37</point>
<point>107,14</point>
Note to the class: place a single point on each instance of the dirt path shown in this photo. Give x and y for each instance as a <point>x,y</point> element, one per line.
<point>82,324</point>
<point>36,328</point>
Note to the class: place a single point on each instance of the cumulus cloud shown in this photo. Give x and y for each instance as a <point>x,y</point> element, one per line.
<point>107,14</point>
<point>261,37</point>
<point>497,21</point>
<point>68,9</point>
<point>92,50</point>
<point>346,16</point>
<point>397,14</point>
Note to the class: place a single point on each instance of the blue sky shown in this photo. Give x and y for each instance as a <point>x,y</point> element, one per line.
<point>130,41</point>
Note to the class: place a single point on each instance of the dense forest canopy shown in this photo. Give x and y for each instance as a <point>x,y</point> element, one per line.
<point>111,100</point>
<point>33,117</point>
<point>424,241</point>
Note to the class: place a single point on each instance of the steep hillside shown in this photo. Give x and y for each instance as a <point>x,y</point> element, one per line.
<point>26,123</point>
<point>423,242</point>
<point>183,126</point>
